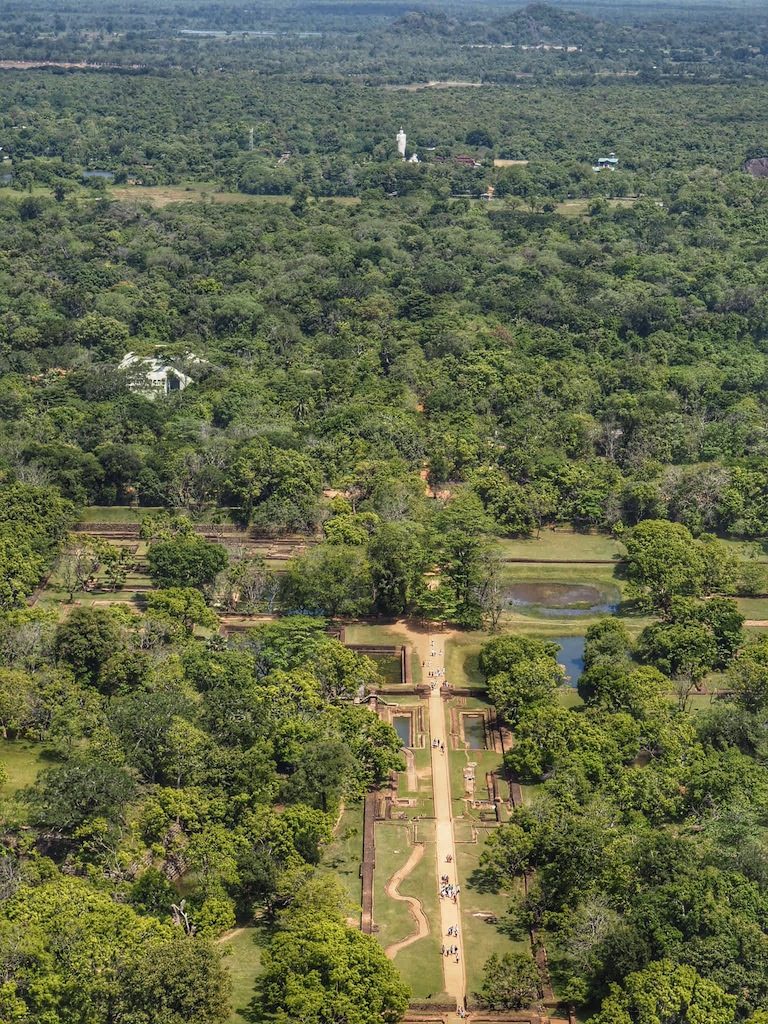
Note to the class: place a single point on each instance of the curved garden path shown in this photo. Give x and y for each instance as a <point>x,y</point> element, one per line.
<point>414,905</point>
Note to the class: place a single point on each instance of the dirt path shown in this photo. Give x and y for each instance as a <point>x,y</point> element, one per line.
<point>417,912</point>
<point>229,935</point>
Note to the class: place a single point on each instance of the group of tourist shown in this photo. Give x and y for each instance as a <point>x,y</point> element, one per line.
<point>449,891</point>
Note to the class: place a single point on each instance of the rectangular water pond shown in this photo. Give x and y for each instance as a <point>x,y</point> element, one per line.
<point>474,731</point>
<point>402,724</point>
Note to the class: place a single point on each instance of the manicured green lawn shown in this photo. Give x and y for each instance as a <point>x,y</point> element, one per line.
<point>461,659</point>
<point>242,958</point>
<point>753,607</point>
<point>563,544</point>
<point>422,759</point>
<point>113,514</point>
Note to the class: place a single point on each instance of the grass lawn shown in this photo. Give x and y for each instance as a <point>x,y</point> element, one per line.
<point>753,607</point>
<point>419,964</point>
<point>535,572</point>
<point>114,514</point>
<point>342,856</point>
<point>22,761</point>
<point>481,936</point>
<point>243,961</point>
<point>563,544</point>
<point>568,697</point>
<point>461,659</point>
<point>389,668</point>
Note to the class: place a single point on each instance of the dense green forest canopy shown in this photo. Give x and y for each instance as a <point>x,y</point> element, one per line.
<point>612,367</point>
<point>395,376</point>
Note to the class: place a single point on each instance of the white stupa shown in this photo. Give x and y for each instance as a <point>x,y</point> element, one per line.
<point>401,143</point>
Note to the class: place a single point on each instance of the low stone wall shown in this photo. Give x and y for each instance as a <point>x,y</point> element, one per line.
<point>368,864</point>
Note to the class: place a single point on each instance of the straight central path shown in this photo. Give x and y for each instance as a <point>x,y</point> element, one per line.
<point>445,845</point>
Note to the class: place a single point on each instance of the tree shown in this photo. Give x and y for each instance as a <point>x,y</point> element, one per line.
<point>678,649</point>
<point>89,785</point>
<point>398,560</point>
<point>316,969</point>
<point>86,640</point>
<point>748,676</point>
<point>330,579</point>
<point>277,489</point>
<point>78,564</point>
<point>247,584</point>
<point>666,993</point>
<point>343,673</point>
<point>80,955</point>
<point>465,556</point>
<point>663,561</point>
<point>117,562</point>
<point>503,653</point>
<point>16,701</point>
<point>532,681</point>
<point>176,981</point>
<point>510,982</point>
<point>185,604</point>
<point>185,562</point>
<point>322,775</point>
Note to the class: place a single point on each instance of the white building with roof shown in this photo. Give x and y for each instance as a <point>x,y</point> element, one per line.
<point>152,376</point>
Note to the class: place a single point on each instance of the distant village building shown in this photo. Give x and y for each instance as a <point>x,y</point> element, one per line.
<point>153,377</point>
<point>606,163</point>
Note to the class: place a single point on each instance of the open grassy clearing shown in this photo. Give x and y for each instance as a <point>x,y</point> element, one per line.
<point>542,572</point>
<point>392,918</point>
<point>482,914</point>
<point>462,652</point>
<point>579,207</point>
<point>242,958</point>
<point>753,607</point>
<point>389,668</point>
<point>22,761</point>
<point>420,963</point>
<point>563,544</point>
<point>568,697</point>
<point>204,192</point>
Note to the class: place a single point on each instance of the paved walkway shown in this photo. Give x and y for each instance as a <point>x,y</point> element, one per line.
<point>433,648</point>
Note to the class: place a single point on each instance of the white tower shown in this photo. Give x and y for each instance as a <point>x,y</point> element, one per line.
<point>401,143</point>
